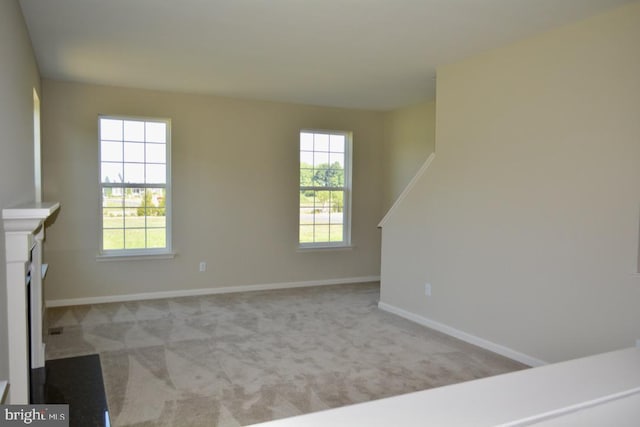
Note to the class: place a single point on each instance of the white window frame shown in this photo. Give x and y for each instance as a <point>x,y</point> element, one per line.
<point>132,254</point>
<point>347,188</point>
<point>37,147</point>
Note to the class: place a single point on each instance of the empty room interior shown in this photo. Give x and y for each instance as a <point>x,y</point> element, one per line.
<point>312,213</point>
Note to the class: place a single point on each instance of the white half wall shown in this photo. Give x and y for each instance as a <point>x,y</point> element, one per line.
<point>601,390</point>
<point>526,222</point>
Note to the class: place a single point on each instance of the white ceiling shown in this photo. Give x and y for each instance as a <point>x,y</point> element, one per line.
<point>374,54</point>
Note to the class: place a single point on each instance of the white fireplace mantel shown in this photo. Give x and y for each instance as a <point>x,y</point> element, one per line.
<point>24,233</point>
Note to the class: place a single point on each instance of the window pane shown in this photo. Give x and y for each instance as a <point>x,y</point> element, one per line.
<point>307,200</point>
<point>133,197</point>
<point>321,233</point>
<point>156,218</point>
<point>336,143</point>
<point>156,153</point>
<point>112,218</point>
<point>329,176</point>
<point>153,207</point>
<point>134,173</point>
<point>306,159</point>
<point>337,207</point>
<point>320,160</point>
<point>337,158</point>
<point>306,234</point>
<point>321,142</point>
<point>133,220</point>
<point>111,151</point>
<point>134,239</point>
<point>156,174</point>
<point>306,141</point>
<point>335,234</point>
<point>133,131</point>
<point>156,238</point>
<point>156,132</point>
<point>323,203</point>
<point>134,152</point>
<point>112,197</point>
<point>113,239</point>
<point>111,129</point>
<point>306,177</point>
<point>158,196</point>
<point>111,172</point>
<point>322,178</point>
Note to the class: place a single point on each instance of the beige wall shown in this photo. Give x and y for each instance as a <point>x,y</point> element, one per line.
<point>235,197</point>
<point>526,224</point>
<point>410,135</point>
<point>18,76</point>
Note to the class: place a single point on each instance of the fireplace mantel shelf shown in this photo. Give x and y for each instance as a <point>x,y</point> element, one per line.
<point>24,227</point>
<point>32,210</point>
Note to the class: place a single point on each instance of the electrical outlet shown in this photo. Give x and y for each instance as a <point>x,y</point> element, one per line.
<point>203,266</point>
<point>427,289</point>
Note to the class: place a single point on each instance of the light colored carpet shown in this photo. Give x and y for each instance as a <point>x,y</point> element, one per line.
<point>238,359</point>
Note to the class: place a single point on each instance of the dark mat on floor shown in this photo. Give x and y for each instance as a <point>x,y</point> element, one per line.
<point>76,381</point>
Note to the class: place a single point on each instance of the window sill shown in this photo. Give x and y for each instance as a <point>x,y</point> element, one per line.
<point>325,248</point>
<point>135,256</point>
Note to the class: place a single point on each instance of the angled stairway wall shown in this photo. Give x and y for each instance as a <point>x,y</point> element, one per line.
<point>409,138</point>
<point>526,222</point>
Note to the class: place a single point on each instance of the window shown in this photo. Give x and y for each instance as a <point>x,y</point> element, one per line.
<point>325,189</point>
<point>135,185</point>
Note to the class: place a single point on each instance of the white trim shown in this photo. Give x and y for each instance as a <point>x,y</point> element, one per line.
<point>30,211</point>
<point>580,406</point>
<point>135,256</point>
<point>37,147</point>
<point>347,188</point>
<point>303,249</point>
<point>167,187</point>
<point>24,233</point>
<point>464,336</point>
<point>408,188</point>
<point>207,291</point>
<point>530,396</point>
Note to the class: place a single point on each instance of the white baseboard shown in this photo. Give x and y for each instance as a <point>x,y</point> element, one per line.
<point>206,291</point>
<point>461,335</point>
